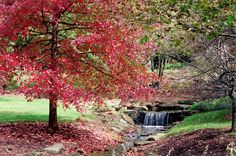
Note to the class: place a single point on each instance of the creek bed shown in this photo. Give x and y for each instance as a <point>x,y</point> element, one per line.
<point>152,125</point>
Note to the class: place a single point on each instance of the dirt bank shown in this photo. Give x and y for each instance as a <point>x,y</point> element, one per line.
<point>212,142</point>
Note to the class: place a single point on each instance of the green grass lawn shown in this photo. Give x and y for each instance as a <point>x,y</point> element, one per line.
<point>17,109</point>
<point>216,119</point>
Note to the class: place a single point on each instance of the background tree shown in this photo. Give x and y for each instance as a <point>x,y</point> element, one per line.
<point>215,61</point>
<point>178,25</point>
<point>74,51</point>
<point>175,25</point>
<point>213,22</point>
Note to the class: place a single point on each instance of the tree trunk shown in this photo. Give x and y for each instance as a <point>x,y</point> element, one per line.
<point>52,122</point>
<point>233,102</point>
<point>233,128</point>
<point>152,64</point>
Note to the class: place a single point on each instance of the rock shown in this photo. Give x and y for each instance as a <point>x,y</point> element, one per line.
<point>123,123</point>
<point>132,113</point>
<point>151,139</point>
<point>151,153</point>
<point>120,149</point>
<point>72,145</point>
<point>141,108</point>
<point>155,137</point>
<point>130,107</point>
<point>102,153</point>
<point>141,143</point>
<point>186,102</point>
<point>54,149</point>
<point>144,108</point>
<point>113,102</point>
<point>80,151</point>
<point>137,115</point>
<point>131,137</point>
<point>127,105</point>
<point>128,119</point>
<point>38,153</point>
<point>150,107</point>
<point>140,117</point>
<point>168,107</point>
<point>117,130</point>
<point>158,102</point>
<point>128,145</point>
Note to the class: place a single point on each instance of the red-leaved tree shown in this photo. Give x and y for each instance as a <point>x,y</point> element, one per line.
<point>74,51</point>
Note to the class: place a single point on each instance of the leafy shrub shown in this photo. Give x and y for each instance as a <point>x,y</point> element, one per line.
<point>212,105</point>
<point>12,86</point>
<point>177,65</point>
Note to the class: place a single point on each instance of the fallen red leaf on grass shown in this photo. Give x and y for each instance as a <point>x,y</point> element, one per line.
<point>24,138</point>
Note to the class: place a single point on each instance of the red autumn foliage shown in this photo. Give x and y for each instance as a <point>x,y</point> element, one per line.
<point>7,2</point>
<point>101,55</point>
<point>74,51</point>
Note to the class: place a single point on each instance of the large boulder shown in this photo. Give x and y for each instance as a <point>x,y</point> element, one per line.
<point>155,137</point>
<point>54,149</point>
<point>132,113</point>
<point>142,108</point>
<point>141,142</point>
<point>128,119</point>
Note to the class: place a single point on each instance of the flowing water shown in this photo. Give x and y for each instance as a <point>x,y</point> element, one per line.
<point>156,119</point>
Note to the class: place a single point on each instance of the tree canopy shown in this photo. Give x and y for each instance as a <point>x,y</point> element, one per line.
<point>74,51</point>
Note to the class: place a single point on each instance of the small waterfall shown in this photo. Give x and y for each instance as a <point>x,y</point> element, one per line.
<point>156,119</point>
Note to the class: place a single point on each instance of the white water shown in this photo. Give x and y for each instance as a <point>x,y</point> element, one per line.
<point>156,119</point>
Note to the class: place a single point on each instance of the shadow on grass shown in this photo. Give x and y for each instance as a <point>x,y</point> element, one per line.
<point>6,117</point>
<point>4,99</point>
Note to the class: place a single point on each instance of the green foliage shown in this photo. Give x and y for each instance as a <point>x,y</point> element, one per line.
<point>100,108</point>
<point>233,133</point>
<point>215,119</point>
<point>212,105</point>
<point>182,22</point>
<point>144,39</point>
<point>32,154</point>
<point>12,85</point>
<point>177,65</point>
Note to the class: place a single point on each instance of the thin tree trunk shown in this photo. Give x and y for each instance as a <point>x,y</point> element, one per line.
<point>152,64</point>
<point>233,102</point>
<point>159,66</point>
<point>163,64</point>
<point>233,127</point>
<point>52,122</point>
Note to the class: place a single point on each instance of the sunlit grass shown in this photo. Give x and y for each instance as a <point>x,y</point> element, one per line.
<point>216,119</point>
<point>17,109</point>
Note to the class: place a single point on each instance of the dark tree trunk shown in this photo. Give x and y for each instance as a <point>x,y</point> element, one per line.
<point>52,122</point>
<point>161,65</point>
<point>232,97</point>
<point>233,127</point>
<point>152,64</point>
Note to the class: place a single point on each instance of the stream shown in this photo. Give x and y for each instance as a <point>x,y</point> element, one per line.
<point>154,123</point>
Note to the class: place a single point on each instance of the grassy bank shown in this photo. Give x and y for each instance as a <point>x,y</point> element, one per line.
<point>17,109</point>
<point>215,119</point>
